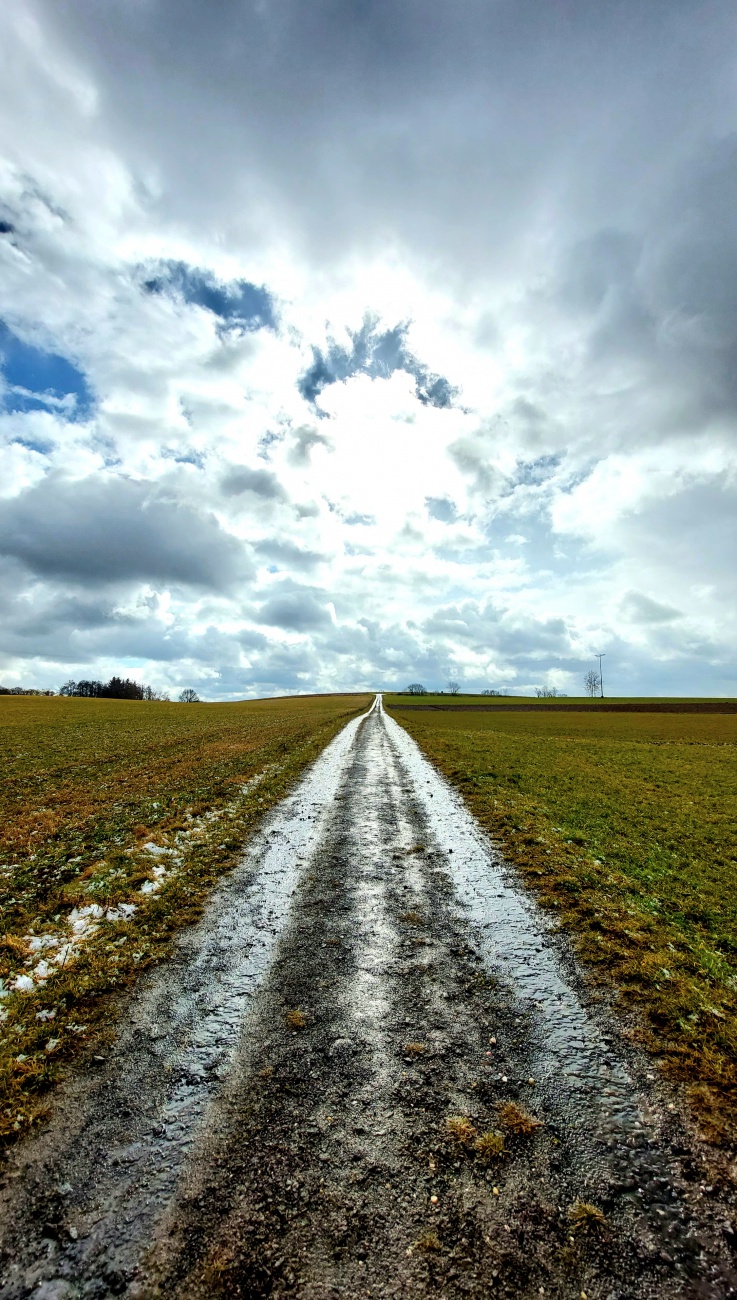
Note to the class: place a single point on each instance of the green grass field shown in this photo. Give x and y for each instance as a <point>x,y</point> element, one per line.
<point>116,819</point>
<point>625,825</point>
<point>447,701</point>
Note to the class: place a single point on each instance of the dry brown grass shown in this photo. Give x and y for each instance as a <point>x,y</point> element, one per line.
<point>428,1241</point>
<point>585,1216</point>
<point>518,1120</point>
<point>489,1146</point>
<point>296,1019</point>
<point>414,1049</point>
<point>460,1129</point>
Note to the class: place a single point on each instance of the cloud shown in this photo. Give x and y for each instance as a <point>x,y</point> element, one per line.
<point>378,354</point>
<point>110,530</point>
<point>287,555</point>
<point>296,609</point>
<point>240,480</point>
<point>305,439</point>
<point>638,608</point>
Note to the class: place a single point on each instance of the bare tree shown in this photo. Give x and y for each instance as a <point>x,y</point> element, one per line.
<point>416,688</point>
<point>454,687</point>
<point>592,682</point>
<point>189,696</point>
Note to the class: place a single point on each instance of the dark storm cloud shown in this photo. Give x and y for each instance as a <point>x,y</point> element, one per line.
<point>102,529</point>
<point>378,354</point>
<point>237,302</point>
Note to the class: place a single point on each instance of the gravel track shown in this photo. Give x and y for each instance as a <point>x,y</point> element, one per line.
<point>229,1146</point>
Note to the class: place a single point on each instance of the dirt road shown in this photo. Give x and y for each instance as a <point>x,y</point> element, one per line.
<point>274,1118</point>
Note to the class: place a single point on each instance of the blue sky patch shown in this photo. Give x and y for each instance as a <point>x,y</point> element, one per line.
<point>377,354</point>
<point>34,380</point>
<point>238,302</point>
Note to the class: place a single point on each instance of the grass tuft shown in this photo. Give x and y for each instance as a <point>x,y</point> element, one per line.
<point>489,1146</point>
<point>428,1241</point>
<point>460,1129</point>
<point>586,1216</point>
<point>413,1049</point>
<point>296,1019</point>
<point>518,1120</point>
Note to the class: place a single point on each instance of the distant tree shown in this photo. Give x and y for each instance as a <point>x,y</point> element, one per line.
<point>546,692</point>
<point>122,688</point>
<point>416,688</point>
<point>90,690</point>
<point>592,682</point>
<point>454,687</point>
<point>189,696</point>
<point>489,692</point>
<point>68,688</point>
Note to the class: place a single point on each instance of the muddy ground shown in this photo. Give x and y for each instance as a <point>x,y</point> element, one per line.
<point>274,1118</point>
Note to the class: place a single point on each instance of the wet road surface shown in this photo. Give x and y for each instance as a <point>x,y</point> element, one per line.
<point>273,1119</point>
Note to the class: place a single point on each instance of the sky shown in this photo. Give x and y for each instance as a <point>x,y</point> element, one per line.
<point>348,345</point>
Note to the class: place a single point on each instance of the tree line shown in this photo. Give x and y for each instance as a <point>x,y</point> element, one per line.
<point>118,688</point>
<point>122,688</point>
<point>23,690</point>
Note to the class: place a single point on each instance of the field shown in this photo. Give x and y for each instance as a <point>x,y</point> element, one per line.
<point>116,819</point>
<point>625,825</point>
<point>561,703</point>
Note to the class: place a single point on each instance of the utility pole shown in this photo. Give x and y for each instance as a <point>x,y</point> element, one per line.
<point>601,676</point>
